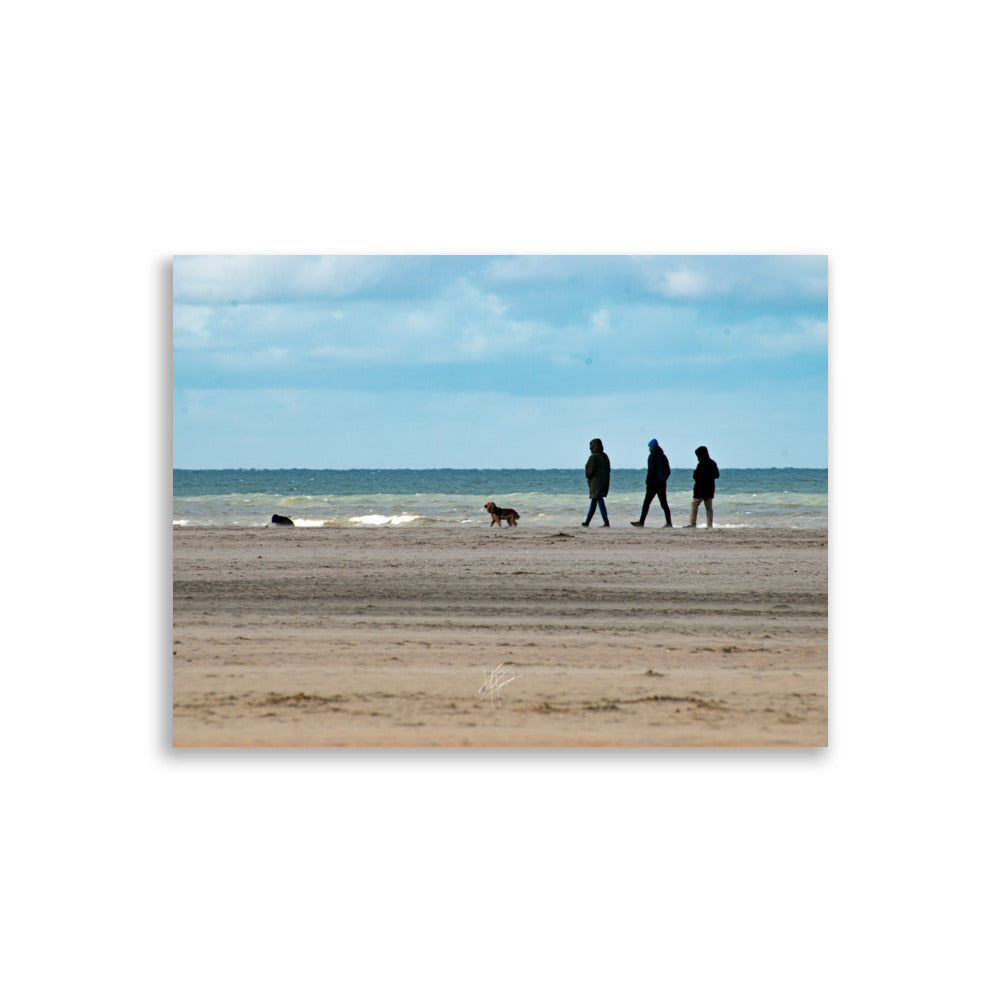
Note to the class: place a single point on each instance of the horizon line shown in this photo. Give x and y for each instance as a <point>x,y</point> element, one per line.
<point>463,468</point>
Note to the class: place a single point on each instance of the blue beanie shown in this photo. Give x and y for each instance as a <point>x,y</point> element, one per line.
<point>654,443</point>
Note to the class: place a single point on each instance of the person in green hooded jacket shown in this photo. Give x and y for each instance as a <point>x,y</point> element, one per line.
<point>598,472</point>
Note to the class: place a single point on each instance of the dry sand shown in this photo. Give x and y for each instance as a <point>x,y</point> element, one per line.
<point>615,636</point>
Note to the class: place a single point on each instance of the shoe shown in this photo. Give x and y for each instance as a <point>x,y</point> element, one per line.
<point>586,524</point>
<point>688,526</point>
<point>668,525</point>
<point>637,524</point>
<point>607,524</point>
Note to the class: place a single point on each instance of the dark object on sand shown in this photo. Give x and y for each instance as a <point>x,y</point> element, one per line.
<point>281,519</point>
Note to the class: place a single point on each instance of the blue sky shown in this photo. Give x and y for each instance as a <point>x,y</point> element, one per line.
<point>498,361</point>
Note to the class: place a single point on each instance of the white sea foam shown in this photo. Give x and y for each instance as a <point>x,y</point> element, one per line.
<point>379,520</point>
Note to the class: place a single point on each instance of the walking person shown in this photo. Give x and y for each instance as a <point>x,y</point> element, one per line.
<point>657,474</point>
<point>598,473</point>
<point>704,476</point>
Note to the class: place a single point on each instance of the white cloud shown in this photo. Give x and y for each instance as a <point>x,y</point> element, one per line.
<point>362,353</point>
<point>249,278</point>
<point>747,278</point>
<point>264,358</point>
<point>533,268</point>
<point>192,325</point>
<point>475,344</point>
<point>766,339</point>
<point>684,283</point>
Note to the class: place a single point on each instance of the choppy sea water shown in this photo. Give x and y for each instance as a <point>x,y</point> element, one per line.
<point>398,498</point>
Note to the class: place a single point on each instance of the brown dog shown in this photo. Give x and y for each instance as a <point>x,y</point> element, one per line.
<point>500,514</point>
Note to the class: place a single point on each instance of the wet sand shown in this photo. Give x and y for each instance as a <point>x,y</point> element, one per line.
<point>612,637</point>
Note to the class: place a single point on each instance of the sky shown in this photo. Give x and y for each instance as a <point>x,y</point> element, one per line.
<point>461,361</point>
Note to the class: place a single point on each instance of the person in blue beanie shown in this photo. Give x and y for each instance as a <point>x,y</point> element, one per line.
<point>657,474</point>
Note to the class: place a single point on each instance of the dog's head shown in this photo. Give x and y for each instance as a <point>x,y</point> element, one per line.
<point>490,506</point>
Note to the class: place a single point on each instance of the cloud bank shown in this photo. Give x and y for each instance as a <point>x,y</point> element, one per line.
<point>572,328</point>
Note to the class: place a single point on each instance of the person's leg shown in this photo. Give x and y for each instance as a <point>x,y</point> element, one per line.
<point>662,494</point>
<point>708,511</point>
<point>650,493</point>
<point>694,512</point>
<point>604,512</point>
<point>590,513</point>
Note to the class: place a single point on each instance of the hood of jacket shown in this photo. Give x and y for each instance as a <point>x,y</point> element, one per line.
<point>596,445</point>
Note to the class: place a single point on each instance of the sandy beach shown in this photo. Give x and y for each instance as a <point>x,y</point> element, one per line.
<point>607,637</point>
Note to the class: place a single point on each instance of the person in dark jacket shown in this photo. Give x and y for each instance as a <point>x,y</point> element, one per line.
<point>657,474</point>
<point>704,476</point>
<point>598,472</point>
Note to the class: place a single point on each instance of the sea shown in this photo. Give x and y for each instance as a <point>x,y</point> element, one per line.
<point>411,498</point>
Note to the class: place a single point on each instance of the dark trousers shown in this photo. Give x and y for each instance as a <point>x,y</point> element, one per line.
<point>655,490</point>
<point>594,504</point>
